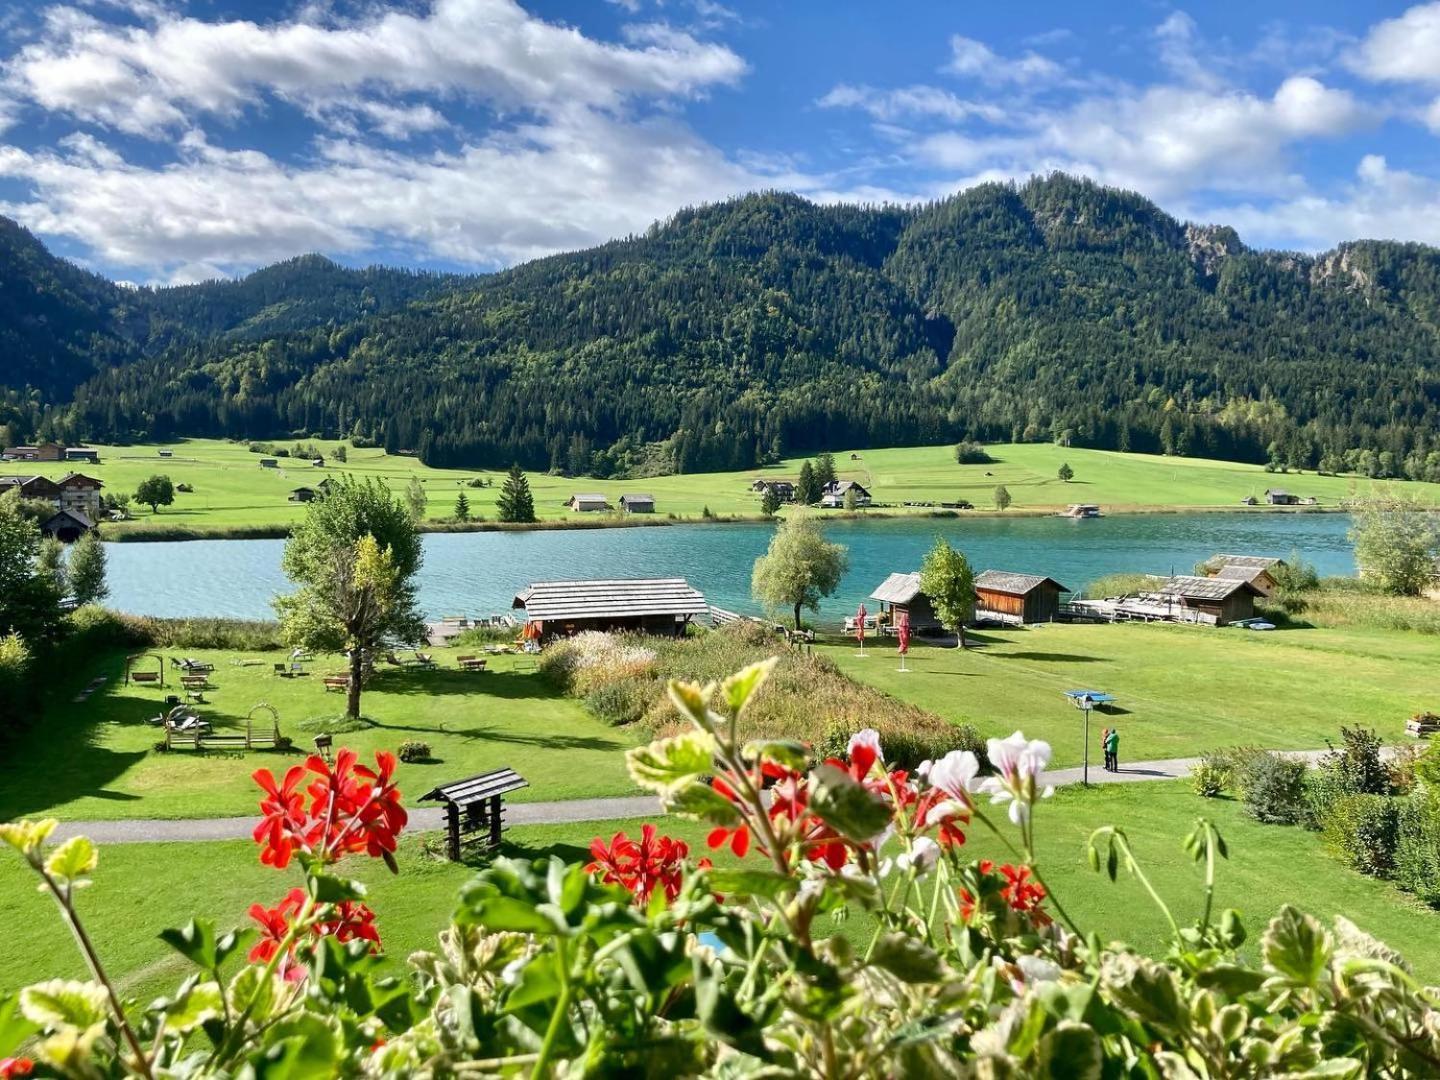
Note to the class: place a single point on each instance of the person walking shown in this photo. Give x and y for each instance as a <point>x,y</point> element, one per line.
<point>1112,750</point>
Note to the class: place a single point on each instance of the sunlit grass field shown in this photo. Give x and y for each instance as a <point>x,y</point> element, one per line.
<point>233,492</point>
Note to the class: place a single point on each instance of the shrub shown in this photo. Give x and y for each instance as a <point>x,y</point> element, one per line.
<point>622,701</point>
<point>1121,585</point>
<point>1234,762</point>
<point>1210,778</point>
<point>1356,768</point>
<point>413,750</point>
<point>1364,831</point>
<point>1273,788</point>
<point>483,635</point>
<point>1417,848</point>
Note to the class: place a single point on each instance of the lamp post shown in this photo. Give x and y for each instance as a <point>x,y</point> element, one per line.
<point>1085,706</point>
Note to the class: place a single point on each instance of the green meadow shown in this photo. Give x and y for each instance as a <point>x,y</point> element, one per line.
<point>141,889</point>
<point>232,492</point>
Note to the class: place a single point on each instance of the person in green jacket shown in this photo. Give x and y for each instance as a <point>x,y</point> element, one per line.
<point>1112,750</point>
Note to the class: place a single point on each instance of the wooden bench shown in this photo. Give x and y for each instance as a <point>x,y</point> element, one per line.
<point>337,682</point>
<point>471,663</point>
<point>194,682</point>
<point>145,677</point>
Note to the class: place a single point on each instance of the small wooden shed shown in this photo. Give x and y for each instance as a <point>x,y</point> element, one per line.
<point>1277,497</point>
<point>475,808</point>
<point>1259,570</point>
<point>650,605</point>
<point>899,594</point>
<point>303,495</point>
<point>637,504</point>
<point>587,503</point>
<point>1002,596</point>
<point>1214,600</point>
<point>67,526</point>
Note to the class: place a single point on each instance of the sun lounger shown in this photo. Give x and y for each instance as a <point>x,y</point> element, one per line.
<point>424,659</point>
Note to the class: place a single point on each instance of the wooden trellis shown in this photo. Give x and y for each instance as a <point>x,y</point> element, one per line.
<point>156,677</point>
<point>474,808</point>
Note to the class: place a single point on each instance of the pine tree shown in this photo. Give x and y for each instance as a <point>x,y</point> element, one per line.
<point>516,504</point>
<point>825,470</point>
<point>462,508</point>
<point>1066,473</point>
<point>807,488</point>
<point>1002,497</point>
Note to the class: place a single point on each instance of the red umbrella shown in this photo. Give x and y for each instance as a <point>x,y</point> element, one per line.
<point>860,625</point>
<point>903,627</point>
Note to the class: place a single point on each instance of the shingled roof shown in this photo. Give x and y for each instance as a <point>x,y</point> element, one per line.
<point>610,598</point>
<point>1258,562</point>
<point>1002,581</point>
<point>1188,587</point>
<point>898,589</point>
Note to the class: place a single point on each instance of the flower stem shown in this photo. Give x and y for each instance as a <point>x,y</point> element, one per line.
<point>557,1019</point>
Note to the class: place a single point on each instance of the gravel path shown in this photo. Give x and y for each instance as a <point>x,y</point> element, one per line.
<point>186,830</point>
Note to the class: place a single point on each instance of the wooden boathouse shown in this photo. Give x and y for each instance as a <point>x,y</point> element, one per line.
<point>651,605</point>
<point>1001,596</point>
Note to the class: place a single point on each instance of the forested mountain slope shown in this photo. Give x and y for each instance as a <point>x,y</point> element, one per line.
<point>1055,309</point>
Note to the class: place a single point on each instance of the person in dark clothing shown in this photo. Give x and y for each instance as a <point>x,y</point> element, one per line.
<point>1112,750</point>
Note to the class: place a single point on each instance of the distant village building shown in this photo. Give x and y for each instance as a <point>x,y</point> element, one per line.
<point>637,504</point>
<point>269,463</point>
<point>67,526</point>
<point>784,489</point>
<point>167,453</point>
<point>1215,600</point>
<point>651,605</point>
<point>899,594</point>
<point>833,495</point>
<point>1276,497</point>
<point>1001,596</point>
<point>82,453</point>
<point>32,487</point>
<point>47,451</point>
<point>80,492</point>
<point>587,503</point>
<point>318,462</point>
<point>303,495</point>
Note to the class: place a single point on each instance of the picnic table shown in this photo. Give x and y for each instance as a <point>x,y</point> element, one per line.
<point>471,663</point>
<point>1087,699</point>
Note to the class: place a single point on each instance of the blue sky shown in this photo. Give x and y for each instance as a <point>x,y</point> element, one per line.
<point>170,140</point>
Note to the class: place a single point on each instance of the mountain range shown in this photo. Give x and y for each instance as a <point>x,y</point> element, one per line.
<point>733,333</point>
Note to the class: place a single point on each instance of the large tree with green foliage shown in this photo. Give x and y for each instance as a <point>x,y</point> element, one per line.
<point>1395,543</point>
<point>155,492</point>
<point>808,488</point>
<point>799,568</point>
<point>825,474</point>
<point>516,503</point>
<point>86,569</point>
<point>948,581</point>
<point>1002,497</point>
<point>29,595</point>
<point>769,501</point>
<point>353,559</point>
<point>416,499</point>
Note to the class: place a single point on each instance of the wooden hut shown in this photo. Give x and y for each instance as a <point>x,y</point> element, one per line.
<point>1213,600</point>
<point>651,605</point>
<point>303,495</point>
<point>1277,497</point>
<point>1258,570</point>
<point>587,503</point>
<point>67,526</point>
<point>1001,596</point>
<point>899,594</point>
<point>637,504</point>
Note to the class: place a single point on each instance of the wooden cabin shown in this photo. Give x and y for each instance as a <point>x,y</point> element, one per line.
<point>303,495</point>
<point>82,453</point>
<point>637,504</point>
<point>1216,601</point>
<point>784,489</point>
<point>587,504</point>
<point>67,526</point>
<point>650,605</point>
<point>80,492</point>
<point>1276,497</point>
<point>265,462</point>
<point>899,594</point>
<point>1001,596</point>
<point>32,487</point>
<point>1258,570</point>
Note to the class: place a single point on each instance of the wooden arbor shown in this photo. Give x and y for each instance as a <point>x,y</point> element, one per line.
<point>474,808</point>
<point>156,677</point>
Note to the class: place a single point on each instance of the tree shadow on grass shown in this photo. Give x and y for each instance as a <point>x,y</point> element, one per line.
<point>509,685</point>
<point>518,738</point>
<point>1054,658</point>
<point>82,775</point>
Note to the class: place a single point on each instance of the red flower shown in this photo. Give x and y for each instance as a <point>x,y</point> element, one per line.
<point>939,809</point>
<point>15,1066</point>
<point>275,926</point>
<point>1022,894</point>
<point>349,920</point>
<point>282,816</point>
<point>352,808</point>
<point>654,862</point>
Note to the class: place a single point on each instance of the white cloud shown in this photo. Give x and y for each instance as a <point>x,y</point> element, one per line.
<point>1178,37</point>
<point>908,101</point>
<point>1404,49</point>
<point>153,78</point>
<point>975,59</point>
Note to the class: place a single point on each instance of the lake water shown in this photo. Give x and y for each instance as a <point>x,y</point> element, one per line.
<point>479,573</point>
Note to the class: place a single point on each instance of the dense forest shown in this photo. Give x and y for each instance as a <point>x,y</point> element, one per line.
<point>733,333</point>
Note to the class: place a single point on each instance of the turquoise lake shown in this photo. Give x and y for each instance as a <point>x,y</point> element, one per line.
<point>479,573</point>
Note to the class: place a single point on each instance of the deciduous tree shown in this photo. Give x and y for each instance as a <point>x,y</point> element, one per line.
<point>416,499</point>
<point>1065,473</point>
<point>353,559</point>
<point>1002,497</point>
<point>155,492</point>
<point>87,570</point>
<point>1395,543</point>
<point>769,502</point>
<point>948,581</point>
<point>799,568</point>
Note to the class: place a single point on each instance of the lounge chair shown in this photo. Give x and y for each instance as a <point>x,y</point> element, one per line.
<point>424,659</point>
<point>191,725</point>
<point>282,671</point>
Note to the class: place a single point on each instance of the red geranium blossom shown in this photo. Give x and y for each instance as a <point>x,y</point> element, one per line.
<point>349,920</point>
<point>640,867</point>
<point>1022,894</point>
<point>352,808</point>
<point>15,1066</point>
<point>275,926</point>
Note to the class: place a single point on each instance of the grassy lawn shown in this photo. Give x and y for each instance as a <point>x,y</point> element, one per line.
<point>232,490</point>
<point>143,888</point>
<point>1181,690</point>
<point>96,759</point>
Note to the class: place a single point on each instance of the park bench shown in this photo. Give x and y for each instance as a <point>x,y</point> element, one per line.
<point>337,682</point>
<point>194,682</point>
<point>471,663</point>
<point>145,676</point>
<point>475,809</point>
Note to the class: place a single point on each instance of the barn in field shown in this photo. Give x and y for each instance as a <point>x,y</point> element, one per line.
<point>899,594</point>
<point>1216,601</point>
<point>1001,596</point>
<point>651,605</point>
<point>637,504</point>
<point>587,503</point>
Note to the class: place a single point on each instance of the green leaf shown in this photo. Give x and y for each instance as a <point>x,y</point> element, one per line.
<point>202,1003</point>
<point>691,700</point>
<point>250,989</point>
<point>907,958</point>
<point>64,1002</point>
<point>740,687</point>
<point>846,806</point>
<point>668,764</point>
<point>505,913</point>
<point>73,860</point>
<point>538,982</point>
<point>329,889</point>
<point>698,801</point>
<point>746,883</point>
<point>14,1028</point>
<point>196,942</point>
<point>1071,1051</point>
<point>26,836</point>
<point>790,753</point>
<point>1296,946</point>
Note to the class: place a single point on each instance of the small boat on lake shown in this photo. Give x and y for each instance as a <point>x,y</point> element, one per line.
<point>1081,510</point>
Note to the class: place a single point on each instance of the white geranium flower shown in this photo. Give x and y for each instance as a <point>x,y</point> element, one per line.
<point>865,737</point>
<point>1018,763</point>
<point>922,856</point>
<point>955,774</point>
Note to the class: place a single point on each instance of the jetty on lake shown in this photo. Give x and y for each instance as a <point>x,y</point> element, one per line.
<point>1204,601</point>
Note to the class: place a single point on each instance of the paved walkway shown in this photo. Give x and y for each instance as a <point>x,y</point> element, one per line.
<point>148,830</point>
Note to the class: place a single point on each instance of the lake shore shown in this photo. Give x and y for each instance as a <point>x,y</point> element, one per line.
<point>144,532</point>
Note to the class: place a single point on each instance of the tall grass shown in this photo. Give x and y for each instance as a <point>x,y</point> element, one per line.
<point>1351,602</point>
<point>95,627</point>
<point>621,678</point>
